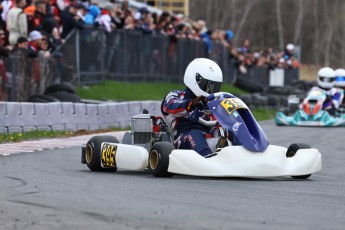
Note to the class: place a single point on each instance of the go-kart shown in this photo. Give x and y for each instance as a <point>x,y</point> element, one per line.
<point>149,147</point>
<point>311,112</point>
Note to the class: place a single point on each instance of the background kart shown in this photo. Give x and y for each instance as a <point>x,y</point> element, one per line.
<point>311,112</point>
<point>149,146</point>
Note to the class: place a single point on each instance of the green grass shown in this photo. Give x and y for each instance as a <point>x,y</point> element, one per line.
<point>32,135</point>
<point>16,137</point>
<point>262,114</point>
<point>126,91</point>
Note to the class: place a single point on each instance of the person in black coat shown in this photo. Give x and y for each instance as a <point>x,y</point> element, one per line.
<point>70,21</point>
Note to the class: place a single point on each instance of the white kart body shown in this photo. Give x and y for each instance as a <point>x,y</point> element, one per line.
<point>254,158</point>
<point>236,161</point>
<point>130,157</point>
<point>231,161</point>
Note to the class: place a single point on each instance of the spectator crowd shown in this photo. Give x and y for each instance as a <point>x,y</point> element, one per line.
<point>39,27</point>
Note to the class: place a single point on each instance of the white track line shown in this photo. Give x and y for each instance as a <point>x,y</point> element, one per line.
<point>39,145</point>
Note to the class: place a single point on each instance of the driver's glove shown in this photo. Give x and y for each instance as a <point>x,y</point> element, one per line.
<point>199,103</point>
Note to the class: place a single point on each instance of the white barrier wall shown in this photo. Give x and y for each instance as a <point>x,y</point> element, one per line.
<point>68,116</point>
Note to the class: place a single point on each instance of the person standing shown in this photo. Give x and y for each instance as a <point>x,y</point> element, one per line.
<point>69,21</point>
<point>35,42</point>
<point>17,24</point>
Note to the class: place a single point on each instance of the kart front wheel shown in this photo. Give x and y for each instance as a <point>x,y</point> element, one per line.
<point>93,153</point>
<point>291,152</point>
<point>159,159</point>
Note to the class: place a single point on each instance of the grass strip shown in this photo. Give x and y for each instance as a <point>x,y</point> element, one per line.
<point>40,134</point>
<point>128,91</point>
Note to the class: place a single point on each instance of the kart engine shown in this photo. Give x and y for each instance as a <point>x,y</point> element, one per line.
<point>147,129</point>
<point>142,128</point>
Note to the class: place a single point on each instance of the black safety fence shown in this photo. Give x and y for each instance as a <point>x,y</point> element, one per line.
<point>22,77</point>
<point>134,56</point>
<point>258,79</point>
<point>91,56</point>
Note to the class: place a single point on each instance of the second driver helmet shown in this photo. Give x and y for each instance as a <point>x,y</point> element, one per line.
<point>339,78</point>
<point>325,78</point>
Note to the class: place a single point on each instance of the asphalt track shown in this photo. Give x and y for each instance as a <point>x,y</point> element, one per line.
<point>51,189</point>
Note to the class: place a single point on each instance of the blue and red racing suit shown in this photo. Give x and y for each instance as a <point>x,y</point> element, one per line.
<point>189,133</point>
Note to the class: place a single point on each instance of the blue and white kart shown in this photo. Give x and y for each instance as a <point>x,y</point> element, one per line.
<point>145,148</point>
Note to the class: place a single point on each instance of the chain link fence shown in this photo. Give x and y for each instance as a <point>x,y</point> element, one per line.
<point>91,56</point>
<point>133,56</point>
<point>21,77</point>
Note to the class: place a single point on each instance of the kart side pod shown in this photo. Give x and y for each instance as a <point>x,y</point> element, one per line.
<point>104,153</point>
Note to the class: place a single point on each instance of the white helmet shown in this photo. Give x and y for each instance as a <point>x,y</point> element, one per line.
<point>339,78</point>
<point>203,77</point>
<point>326,77</point>
<point>290,47</point>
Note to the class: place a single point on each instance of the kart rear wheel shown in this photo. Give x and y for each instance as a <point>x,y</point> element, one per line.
<point>291,152</point>
<point>165,137</point>
<point>159,159</point>
<point>93,152</point>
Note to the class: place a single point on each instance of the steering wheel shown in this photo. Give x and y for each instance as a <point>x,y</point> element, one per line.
<point>212,97</point>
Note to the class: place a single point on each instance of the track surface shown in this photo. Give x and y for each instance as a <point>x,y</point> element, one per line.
<point>51,189</point>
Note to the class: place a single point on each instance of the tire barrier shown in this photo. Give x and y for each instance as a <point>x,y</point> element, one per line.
<point>60,87</point>
<point>258,79</point>
<point>256,100</point>
<point>69,116</point>
<point>63,92</point>
<point>276,97</point>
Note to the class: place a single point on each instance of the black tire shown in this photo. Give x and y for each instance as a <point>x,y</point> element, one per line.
<point>127,138</point>
<point>60,87</point>
<point>246,98</point>
<point>273,100</point>
<point>93,152</point>
<point>66,96</point>
<point>165,137</point>
<point>293,148</point>
<point>42,98</point>
<point>299,84</point>
<point>278,90</point>
<point>283,100</point>
<point>159,159</point>
<point>249,85</point>
<point>259,100</point>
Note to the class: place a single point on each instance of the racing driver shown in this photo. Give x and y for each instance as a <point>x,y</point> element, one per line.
<point>182,107</point>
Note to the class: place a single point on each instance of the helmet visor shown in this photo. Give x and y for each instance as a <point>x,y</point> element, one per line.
<point>208,86</point>
<point>340,78</point>
<point>326,79</point>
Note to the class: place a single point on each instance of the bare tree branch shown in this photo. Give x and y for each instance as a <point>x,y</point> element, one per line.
<point>299,21</point>
<point>243,20</point>
<point>317,32</point>
<point>279,25</point>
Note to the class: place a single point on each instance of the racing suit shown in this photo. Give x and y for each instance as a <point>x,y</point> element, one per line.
<point>335,98</point>
<point>189,134</point>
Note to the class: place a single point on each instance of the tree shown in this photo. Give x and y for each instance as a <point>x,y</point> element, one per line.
<point>317,26</point>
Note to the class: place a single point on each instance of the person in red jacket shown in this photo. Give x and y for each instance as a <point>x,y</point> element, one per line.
<point>35,40</point>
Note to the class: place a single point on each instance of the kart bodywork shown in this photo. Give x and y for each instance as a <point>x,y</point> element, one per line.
<point>149,147</point>
<point>312,112</point>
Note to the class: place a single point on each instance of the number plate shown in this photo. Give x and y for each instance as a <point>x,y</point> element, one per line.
<point>108,155</point>
<point>231,104</point>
